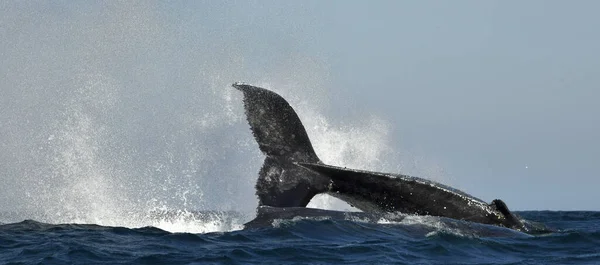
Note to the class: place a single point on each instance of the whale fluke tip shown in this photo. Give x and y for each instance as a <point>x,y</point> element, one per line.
<point>240,85</point>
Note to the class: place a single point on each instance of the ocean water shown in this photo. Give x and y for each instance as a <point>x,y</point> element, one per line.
<point>307,241</point>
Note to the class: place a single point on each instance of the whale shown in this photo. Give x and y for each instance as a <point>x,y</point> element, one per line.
<point>292,174</point>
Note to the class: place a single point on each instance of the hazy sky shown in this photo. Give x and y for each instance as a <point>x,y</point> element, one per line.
<point>496,98</point>
<point>502,95</point>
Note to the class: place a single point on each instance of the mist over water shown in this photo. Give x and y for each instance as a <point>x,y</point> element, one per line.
<point>112,112</point>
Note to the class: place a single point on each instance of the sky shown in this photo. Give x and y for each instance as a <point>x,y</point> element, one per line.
<point>128,103</point>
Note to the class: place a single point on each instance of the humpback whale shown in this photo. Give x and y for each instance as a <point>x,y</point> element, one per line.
<point>292,174</point>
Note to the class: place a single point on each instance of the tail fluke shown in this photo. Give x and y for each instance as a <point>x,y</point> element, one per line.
<point>282,138</point>
<point>275,125</point>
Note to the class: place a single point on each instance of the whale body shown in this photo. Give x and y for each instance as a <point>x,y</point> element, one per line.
<point>292,174</point>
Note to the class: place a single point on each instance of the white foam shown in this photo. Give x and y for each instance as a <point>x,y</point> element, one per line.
<point>188,222</point>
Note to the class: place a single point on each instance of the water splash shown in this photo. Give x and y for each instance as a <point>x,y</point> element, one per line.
<point>112,112</point>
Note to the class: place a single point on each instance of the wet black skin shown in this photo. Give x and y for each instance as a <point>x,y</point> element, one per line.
<point>292,174</point>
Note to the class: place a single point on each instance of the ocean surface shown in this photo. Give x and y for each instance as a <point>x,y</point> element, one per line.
<point>414,240</point>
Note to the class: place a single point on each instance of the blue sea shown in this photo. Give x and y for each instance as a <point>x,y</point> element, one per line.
<point>414,240</point>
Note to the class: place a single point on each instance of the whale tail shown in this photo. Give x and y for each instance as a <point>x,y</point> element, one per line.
<point>293,173</point>
<point>282,138</point>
